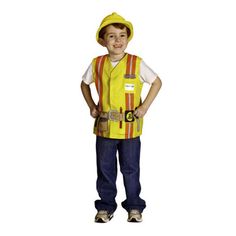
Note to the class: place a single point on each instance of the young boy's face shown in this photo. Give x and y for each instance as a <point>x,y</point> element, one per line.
<point>115,40</point>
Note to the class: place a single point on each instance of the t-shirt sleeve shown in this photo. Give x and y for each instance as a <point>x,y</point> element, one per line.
<point>147,75</point>
<point>88,75</point>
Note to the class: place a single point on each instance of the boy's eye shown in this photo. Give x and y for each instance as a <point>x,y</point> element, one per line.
<point>123,35</point>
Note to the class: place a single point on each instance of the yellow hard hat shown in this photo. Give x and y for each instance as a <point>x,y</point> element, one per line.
<point>115,18</point>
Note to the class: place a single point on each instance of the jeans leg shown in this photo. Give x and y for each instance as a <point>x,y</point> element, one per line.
<point>129,158</point>
<point>106,174</point>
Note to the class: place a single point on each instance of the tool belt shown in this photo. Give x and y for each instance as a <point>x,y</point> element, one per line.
<point>127,116</point>
<point>113,115</point>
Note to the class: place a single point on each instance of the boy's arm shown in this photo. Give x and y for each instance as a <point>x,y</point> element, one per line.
<point>88,98</point>
<point>153,91</point>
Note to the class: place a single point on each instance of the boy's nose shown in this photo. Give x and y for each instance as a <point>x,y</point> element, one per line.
<point>118,38</point>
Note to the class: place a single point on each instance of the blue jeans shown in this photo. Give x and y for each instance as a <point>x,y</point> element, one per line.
<point>129,159</point>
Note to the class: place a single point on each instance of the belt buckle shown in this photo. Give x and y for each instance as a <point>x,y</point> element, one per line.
<point>129,115</point>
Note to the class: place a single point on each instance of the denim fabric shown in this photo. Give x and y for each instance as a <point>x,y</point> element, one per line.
<point>129,160</point>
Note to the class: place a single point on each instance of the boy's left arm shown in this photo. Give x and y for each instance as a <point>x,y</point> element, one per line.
<point>153,91</point>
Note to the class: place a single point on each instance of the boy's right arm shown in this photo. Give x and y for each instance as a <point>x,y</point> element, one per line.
<point>89,100</point>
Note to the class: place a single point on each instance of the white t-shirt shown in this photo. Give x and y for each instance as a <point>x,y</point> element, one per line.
<point>147,75</point>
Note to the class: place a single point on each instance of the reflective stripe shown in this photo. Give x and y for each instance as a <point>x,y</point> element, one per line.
<point>98,81</point>
<point>131,64</point>
<point>129,97</point>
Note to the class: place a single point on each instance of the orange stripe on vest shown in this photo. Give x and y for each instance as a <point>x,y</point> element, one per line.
<point>129,97</point>
<point>98,81</point>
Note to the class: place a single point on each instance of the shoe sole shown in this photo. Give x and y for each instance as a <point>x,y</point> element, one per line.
<point>100,220</point>
<point>134,220</point>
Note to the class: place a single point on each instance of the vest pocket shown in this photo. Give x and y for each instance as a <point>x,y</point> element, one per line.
<point>102,124</point>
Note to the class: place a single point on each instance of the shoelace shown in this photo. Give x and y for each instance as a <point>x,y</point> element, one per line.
<point>134,212</point>
<point>102,212</point>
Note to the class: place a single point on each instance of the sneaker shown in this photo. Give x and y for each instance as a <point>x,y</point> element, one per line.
<point>103,216</point>
<point>135,216</point>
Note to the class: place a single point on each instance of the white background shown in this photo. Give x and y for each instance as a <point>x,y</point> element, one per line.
<point>47,165</point>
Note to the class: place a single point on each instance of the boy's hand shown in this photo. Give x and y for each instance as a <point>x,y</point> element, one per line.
<point>94,112</point>
<point>140,112</point>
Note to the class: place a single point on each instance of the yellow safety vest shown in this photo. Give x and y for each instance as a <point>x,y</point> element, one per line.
<point>119,90</point>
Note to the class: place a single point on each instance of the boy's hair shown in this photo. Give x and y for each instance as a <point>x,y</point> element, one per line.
<point>116,25</point>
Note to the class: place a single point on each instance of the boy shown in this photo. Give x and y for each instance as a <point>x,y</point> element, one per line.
<point>118,77</point>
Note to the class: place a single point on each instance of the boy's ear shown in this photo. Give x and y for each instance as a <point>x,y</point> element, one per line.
<point>102,42</point>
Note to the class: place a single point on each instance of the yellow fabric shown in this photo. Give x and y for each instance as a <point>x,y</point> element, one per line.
<point>114,89</point>
<point>115,18</point>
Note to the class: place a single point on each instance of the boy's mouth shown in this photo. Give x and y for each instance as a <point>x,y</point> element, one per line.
<point>118,46</point>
